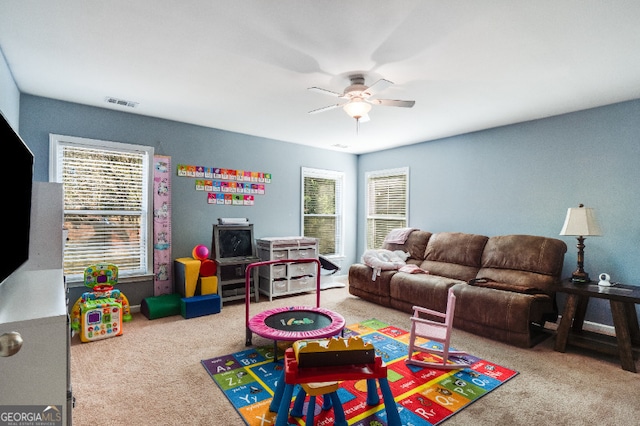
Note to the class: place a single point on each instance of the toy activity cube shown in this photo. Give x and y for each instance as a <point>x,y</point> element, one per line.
<point>100,319</point>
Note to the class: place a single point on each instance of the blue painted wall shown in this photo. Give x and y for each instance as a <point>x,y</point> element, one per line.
<point>277,213</point>
<point>521,179</point>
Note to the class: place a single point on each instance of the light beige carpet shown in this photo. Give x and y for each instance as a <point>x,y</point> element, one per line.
<point>152,375</point>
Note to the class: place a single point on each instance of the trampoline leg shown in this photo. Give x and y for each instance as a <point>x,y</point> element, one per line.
<point>275,351</point>
<point>248,338</point>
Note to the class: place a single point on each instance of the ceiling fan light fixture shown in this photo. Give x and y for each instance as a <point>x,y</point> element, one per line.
<point>357,108</point>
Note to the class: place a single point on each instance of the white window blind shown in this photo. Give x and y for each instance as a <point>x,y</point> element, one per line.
<point>107,203</point>
<point>322,206</point>
<point>387,204</point>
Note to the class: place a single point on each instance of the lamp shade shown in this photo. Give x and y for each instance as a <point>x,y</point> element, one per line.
<point>581,221</point>
<point>357,108</point>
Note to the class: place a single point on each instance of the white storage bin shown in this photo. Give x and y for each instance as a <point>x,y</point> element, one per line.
<point>279,255</point>
<point>307,253</point>
<point>303,283</point>
<point>280,286</point>
<point>279,271</point>
<point>298,269</point>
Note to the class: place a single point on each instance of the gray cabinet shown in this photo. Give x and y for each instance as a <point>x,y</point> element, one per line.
<point>232,280</point>
<point>233,249</point>
<point>280,279</point>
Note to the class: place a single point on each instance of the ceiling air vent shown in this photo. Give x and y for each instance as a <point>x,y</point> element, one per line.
<point>120,102</point>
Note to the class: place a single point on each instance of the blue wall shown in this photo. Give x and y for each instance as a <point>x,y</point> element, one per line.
<point>521,179</point>
<point>277,213</point>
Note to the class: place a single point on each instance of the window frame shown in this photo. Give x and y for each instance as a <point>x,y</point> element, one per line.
<point>339,178</point>
<point>368,216</point>
<point>57,142</point>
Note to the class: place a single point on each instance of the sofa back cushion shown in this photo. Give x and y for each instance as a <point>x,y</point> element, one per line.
<point>524,260</point>
<point>415,245</point>
<point>454,254</point>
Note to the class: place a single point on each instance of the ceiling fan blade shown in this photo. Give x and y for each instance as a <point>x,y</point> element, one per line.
<point>376,87</point>
<point>326,92</point>
<point>327,108</point>
<point>393,102</point>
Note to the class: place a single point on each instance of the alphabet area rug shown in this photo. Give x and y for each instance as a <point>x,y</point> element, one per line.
<point>424,396</point>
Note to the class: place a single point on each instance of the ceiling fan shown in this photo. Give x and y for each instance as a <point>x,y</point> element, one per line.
<point>357,96</point>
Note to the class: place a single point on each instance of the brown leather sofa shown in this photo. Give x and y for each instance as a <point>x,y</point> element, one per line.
<point>504,285</point>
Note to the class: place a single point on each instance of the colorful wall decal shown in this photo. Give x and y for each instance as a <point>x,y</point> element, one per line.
<point>226,186</point>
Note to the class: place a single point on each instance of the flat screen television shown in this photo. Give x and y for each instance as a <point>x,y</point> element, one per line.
<point>17,170</point>
<point>233,242</point>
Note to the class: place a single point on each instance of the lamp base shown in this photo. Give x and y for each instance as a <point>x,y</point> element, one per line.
<point>580,277</point>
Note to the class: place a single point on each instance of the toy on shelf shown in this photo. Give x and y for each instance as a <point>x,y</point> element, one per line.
<point>99,314</point>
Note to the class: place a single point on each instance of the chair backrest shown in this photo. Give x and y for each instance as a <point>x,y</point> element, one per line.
<point>451,307</point>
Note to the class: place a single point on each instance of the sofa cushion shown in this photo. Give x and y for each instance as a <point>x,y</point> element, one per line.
<point>422,289</point>
<point>523,260</point>
<point>504,310</point>
<point>415,245</point>
<point>360,278</point>
<point>454,254</point>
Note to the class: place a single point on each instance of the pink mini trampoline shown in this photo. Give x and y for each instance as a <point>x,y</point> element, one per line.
<point>294,322</point>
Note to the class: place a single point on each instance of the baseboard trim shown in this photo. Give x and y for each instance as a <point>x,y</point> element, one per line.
<point>595,327</point>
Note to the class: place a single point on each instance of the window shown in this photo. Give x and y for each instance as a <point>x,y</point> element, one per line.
<point>107,199</point>
<point>387,204</point>
<point>322,214</point>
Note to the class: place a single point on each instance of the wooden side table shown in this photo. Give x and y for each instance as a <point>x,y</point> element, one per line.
<point>622,298</point>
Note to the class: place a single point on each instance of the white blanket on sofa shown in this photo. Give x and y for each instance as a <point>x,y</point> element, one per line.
<point>384,260</point>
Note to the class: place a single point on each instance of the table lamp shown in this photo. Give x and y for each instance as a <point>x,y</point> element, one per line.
<point>581,222</point>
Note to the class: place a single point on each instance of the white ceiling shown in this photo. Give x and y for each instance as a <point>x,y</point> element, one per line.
<point>245,65</point>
